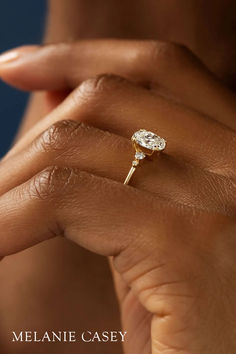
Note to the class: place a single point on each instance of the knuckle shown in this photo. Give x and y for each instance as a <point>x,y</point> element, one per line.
<point>50,183</point>
<point>58,136</point>
<point>97,87</point>
<point>166,54</point>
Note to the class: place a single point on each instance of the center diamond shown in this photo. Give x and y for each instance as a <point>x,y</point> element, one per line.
<point>149,140</point>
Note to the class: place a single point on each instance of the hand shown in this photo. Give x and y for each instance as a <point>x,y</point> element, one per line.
<point>172,237</point>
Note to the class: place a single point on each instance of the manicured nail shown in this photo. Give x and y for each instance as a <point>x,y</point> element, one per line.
<point>9,56</point>
<point>19,53</point>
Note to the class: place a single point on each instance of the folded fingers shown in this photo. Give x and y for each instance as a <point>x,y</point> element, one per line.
<point>117,105</point>
<point>166,65</point>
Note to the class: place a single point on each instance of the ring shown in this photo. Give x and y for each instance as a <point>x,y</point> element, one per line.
<point>145,144</point>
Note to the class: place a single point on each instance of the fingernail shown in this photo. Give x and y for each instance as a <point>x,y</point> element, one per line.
<point>9,57</point>
<point>14,54</point>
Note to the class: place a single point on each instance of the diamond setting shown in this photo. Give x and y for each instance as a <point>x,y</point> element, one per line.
<point>135,163</point>
<point>149,140</point>
<point>140,155</point>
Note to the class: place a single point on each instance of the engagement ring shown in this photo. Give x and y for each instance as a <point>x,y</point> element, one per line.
<point>145,144</point>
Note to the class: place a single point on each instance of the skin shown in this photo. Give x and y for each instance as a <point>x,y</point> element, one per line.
<point>178,238</point>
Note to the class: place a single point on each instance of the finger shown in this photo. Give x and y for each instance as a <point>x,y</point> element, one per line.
<point>171,66</point>
<point>114,104</point>
<point>65,201</point>
<point>69,143</point>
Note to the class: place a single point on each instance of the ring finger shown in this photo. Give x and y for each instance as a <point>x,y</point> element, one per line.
<point>69,143</point>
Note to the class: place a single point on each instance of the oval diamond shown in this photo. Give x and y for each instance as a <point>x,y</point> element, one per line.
<point>149,140</point>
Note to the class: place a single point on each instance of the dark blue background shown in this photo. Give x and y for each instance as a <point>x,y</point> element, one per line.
<point>21,22</point>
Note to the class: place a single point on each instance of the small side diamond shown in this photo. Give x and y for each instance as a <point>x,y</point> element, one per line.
<point>135,163</point>
<point>140,155</point>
